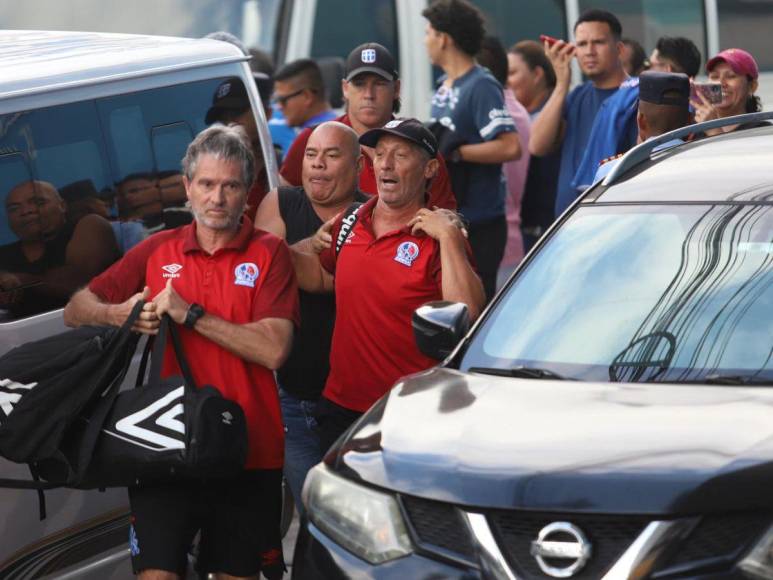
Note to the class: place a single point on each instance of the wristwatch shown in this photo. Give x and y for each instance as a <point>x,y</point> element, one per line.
<point>195,311</point>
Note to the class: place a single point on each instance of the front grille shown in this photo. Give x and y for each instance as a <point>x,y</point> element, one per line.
<point>717,540</point>
<point>439,525</point>
<point>609,536</point>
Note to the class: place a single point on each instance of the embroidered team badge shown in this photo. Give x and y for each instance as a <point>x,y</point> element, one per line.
<point>172,270</point>
<point>246,274</point>
<point>407,252</point>
<point>368,56</point>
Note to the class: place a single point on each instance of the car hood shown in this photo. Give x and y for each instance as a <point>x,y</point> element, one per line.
<point>487,441</point>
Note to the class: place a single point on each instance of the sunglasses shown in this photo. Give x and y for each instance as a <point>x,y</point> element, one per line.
<point>281,100</point>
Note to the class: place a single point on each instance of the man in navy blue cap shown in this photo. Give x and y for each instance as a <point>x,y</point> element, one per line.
<point>664,100</point>
<point>393,255</point>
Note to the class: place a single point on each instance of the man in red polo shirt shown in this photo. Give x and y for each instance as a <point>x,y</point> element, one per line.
<point>398,255</point>
<point>371,88</point>
<point>232,289</point>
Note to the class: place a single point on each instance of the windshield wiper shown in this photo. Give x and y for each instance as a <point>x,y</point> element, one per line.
<point>520,372</point>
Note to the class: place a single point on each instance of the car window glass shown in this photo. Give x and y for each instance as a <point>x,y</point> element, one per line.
<point>620,287</point>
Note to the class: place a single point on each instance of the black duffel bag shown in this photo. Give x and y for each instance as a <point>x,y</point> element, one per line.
<point>47,386</point>
<point>167,429</point>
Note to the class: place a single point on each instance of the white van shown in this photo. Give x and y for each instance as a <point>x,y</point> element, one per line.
<point>102,117</point>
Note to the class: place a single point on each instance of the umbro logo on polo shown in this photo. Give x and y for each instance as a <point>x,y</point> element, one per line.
<point>171,270</point>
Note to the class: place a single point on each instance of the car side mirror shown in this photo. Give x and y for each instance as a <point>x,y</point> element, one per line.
<point>439,326</point>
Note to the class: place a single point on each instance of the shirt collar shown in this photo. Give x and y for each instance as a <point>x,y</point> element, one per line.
<point>238,242</point>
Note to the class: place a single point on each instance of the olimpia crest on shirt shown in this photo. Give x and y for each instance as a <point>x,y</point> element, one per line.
<point>246,273</point>
<point>407,252</point>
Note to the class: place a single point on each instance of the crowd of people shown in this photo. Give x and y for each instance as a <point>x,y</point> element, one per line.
<point>379,214</point>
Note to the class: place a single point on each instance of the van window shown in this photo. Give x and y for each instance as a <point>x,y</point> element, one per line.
<point>747,25</point>
<point>515,20</point>
<point>82,183</point>
<point>376,21</point>
<point>648,20</point>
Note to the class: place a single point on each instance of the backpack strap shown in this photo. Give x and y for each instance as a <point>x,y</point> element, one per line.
<point>347,225</point>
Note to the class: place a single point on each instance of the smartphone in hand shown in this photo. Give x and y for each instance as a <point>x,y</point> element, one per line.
<point>712,92</point>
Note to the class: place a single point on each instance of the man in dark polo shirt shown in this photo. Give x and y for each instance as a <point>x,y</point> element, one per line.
<point>399,255</point>
<point>371,87</point>
<point>330,168</point>
<point>232,290</point>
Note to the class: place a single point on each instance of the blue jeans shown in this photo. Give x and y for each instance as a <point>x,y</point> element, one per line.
<point>301,442</point>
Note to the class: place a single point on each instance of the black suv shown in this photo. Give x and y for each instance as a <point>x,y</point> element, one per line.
<point>611,414</point>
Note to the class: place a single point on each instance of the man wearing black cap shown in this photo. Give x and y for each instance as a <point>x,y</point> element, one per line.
<point>394,255</point>
<point>663,106</point>
<point>230,104</point>
<point>371,87</point>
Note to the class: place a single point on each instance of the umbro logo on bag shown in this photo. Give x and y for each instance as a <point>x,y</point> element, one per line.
<point>165,411</point>
<point>227,418</point>
<point>172,270</point>
<point>9,394</point>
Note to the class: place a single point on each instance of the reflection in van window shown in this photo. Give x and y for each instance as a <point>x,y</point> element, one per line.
<point>82,183</point>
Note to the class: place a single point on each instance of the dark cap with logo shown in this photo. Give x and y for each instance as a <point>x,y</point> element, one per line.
<point>662,88</point>
<point>230,97</point>
<point>411,129</point>
<point>371,57</point>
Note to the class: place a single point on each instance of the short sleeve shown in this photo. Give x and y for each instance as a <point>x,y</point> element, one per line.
<point>278,295</point>
<point>126,277</point>
<point>440,192</point>
<point>488,107</point>
<point>293,161</point>
<point>328,257</point>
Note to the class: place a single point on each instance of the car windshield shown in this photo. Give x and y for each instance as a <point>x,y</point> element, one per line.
<point>642,293</point>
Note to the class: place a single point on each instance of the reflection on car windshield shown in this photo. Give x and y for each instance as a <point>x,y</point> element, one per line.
<point>646,293</point>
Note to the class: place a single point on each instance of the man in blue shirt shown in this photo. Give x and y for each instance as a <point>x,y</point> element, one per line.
<point>475,130</point>
<point>300,101</point>
<point>568,117</point>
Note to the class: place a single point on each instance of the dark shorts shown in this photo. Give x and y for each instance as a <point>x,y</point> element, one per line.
<point>238,518</point>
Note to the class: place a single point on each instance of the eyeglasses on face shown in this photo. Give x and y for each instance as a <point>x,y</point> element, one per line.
<point>281,100</point>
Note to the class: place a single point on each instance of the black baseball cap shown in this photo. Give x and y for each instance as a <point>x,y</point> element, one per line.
<point>230,96</point>
<point>411,129</point>
<point>371,57</point>
<point>662,88</point>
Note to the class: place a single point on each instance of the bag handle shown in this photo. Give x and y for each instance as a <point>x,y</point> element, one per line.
<point>168,326</point>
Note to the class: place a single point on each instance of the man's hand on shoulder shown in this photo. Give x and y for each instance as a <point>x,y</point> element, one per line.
<point>168,301</point>
<point>437,223</point>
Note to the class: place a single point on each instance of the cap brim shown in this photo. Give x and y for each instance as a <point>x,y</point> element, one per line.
<point>370,138</point>
<point>370,69</point>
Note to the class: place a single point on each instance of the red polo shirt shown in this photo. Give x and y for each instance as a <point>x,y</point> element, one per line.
<point>440,193</point>
<point>249,279</point>
<point>378,285</point>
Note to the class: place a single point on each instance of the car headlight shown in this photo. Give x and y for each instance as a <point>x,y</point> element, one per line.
<point>366,522</point>
<point>759,562</point>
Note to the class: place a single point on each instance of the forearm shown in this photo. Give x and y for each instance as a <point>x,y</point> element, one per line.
<point>460,282</point>
<point>546,129</point>
<point>310,274</point>
<point>255,342</point>
<point>86,308</point>
<point>495,151</point>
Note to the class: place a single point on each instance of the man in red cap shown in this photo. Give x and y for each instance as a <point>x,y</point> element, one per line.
<point>371,87</point>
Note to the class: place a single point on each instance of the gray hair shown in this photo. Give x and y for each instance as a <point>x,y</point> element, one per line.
<point>229,143</point>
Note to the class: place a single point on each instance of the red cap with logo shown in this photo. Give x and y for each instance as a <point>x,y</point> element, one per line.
<point>739,60</point>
